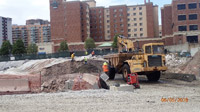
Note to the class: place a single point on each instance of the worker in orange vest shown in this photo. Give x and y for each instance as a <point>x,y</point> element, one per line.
<point>105,67</point>
<point>92,53</point>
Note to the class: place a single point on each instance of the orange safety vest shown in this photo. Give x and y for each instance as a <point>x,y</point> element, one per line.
<point>105,68</point>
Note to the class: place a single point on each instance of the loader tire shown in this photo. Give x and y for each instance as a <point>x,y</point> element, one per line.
<point>111,73</point>
<point>155,76</point>
<point>125,71</point>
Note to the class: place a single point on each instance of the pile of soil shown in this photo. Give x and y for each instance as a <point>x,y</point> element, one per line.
<point>193,66</point>
<point>87,68</point>
<point>54,77</point>
<point>184,66</point>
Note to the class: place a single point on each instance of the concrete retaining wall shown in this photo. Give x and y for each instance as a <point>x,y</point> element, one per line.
<point>14,85</point>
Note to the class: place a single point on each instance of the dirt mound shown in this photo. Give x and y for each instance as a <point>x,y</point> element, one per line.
<point>184,65</point>
<point>87,68</point>
<point>193,66</point>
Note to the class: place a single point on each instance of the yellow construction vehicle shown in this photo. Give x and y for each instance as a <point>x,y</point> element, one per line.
<point>149,61</point>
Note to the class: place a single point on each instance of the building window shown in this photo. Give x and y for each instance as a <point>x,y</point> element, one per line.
<point>140,24</point>
<point>135,19</point>
<point>115,15</point>
<point>115,10</point>
<point>193,27</point>
<point>115,20</point>
<point>181,17</point>
<point>129,25</point>
<point>122,25</point>
<point>181,6</point>
<point>108,21</point>
<point>121,20</point>
<point>121,15</point>
<point>99,11</point>
<point>120,10</point>
<point>129,30</point>
<point>135,24</point>
<point>134,14</point>
<point>141,34</point>
<point>108,26</point>
<point>128,9</point>
<point>129,35</point>
<point>140,19</point>
<point>141,29</point>
<point>182,28</point>
<point>192,39</point>
<point>135,35</point>
<point>135,29</point>
<point>108,16</point>
<point>128,19</point>
<point>140,8</point>
<point>134,8</point>
<point>108,31</point>
<point>140,13</point>
<point>128,14</point>
<point>115,26</point>
<point>122,30</point>
<point>192,6</point>
<point>193,17</point>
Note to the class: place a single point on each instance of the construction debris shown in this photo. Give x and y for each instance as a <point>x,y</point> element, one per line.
<point>183,65</point>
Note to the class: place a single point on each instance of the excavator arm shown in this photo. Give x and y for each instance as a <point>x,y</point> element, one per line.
<point>125,44</point>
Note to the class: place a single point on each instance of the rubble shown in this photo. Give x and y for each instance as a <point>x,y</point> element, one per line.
<point>55,72</point>
<point>183,65</point>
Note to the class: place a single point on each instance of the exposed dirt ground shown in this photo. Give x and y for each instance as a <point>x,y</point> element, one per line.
<point>148,98</point>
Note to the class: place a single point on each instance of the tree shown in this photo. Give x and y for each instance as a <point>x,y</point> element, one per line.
<point>18,47</point>
<point>6,48</point>
<point>89,43</point>
<point>114,44</point>
<point>32,49</point>
<point>63,46</point>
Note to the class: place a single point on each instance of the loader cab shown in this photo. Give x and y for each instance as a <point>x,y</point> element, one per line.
<point>154,48</point>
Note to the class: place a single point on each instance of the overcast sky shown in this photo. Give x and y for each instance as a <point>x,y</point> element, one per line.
<point>21,10</point>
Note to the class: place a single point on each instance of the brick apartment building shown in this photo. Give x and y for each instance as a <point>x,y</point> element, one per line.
<point>37,22</point>
<point>75,21</point>
<point>5,30</point>
<point>32,33</point>
<point>181,22</point>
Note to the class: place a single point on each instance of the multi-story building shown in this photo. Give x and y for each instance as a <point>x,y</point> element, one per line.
<point>5,30</point>
<point>32,33</point>
<point>37,22</point>
<point>75,21</point>
<point>180,22</point>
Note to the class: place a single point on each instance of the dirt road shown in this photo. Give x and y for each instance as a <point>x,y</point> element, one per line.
<point>148,98</point>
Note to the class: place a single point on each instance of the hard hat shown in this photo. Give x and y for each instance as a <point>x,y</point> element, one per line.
<point>105,63</point>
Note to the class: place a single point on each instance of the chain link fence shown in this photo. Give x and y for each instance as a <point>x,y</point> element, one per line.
<point>63,54</point>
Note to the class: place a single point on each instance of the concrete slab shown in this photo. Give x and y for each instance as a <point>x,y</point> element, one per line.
<point>14,85</point>
<point>123,87</point>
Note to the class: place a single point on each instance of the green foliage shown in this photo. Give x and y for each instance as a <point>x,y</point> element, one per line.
<point>63,46</point>
<point>89,43</point>
<point>32,49</point>
<point>18,47</point>
<point>6,48</point>
<point>114,44</point>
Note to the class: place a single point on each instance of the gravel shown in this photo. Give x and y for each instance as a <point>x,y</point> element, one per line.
<point>148,98</point>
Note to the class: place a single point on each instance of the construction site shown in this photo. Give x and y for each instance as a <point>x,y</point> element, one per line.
<point>66,84</point>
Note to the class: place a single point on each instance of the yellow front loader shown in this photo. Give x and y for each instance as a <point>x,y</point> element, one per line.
<point>149,61</point>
